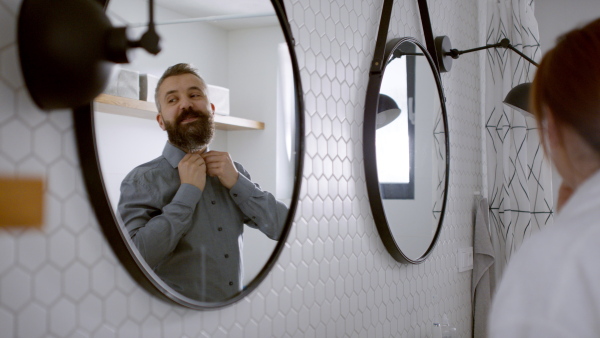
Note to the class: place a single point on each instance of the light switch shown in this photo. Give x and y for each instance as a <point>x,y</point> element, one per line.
<point>465,259</point>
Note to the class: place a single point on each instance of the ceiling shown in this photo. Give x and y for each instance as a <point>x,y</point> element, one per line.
<point>205,8</point>
<point>199,8</point>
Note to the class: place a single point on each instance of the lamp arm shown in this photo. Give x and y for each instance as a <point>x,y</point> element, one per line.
<point>150,40</point>
<point>521,54</point>
<point>504,43</point>
<point>455,53</point>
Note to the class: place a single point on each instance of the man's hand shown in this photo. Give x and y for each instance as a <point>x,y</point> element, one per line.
<point>220,165</point>
<point>192,170</point>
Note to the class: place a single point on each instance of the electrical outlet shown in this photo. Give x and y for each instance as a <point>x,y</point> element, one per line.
<point>465,259</point>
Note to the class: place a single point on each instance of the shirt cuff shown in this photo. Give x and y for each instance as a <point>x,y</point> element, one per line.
<point>242,189</point>
<point>188,194</point>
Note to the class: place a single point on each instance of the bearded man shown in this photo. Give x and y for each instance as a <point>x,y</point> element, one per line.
<point>186,209</point>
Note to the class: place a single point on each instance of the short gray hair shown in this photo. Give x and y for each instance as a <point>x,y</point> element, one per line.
<point>178,69</point>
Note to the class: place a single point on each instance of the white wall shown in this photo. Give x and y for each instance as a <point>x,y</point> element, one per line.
<point>194,38</point>
<point>556,17</point>
<point>123,143</point>
<point>253,59</point>
<point>333,278</point>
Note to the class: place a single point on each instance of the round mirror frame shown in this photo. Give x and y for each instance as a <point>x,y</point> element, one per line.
<point>121,243</point>
<point>370,156</point>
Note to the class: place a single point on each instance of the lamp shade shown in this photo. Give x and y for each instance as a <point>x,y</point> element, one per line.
<point>67,49</point>
<point>518,98</point>
<point>387,111</point>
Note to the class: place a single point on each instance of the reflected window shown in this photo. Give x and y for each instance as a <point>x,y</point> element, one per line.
<point>395,137</point>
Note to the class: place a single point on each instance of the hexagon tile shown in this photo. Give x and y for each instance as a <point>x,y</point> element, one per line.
<point>334,277</point>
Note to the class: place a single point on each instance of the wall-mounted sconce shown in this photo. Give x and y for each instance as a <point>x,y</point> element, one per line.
<point>517,98</point>
<point>67,49</point>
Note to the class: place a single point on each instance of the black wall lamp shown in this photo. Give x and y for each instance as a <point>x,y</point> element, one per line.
<point>517,98</point>
<point>68,47</point>
<point>387,111</point>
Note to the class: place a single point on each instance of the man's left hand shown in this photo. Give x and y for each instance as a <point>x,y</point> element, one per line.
<point>219,164</point>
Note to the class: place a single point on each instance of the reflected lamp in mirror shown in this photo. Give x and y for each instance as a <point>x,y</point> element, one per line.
<point>517,98</point>
<point>406,160</point>
<point>67,49</point>
<point>387,111</point>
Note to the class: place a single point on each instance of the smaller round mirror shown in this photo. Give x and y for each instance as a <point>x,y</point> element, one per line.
<point>406,151</point>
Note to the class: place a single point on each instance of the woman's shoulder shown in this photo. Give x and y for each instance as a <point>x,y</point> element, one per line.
<point>567,239</point>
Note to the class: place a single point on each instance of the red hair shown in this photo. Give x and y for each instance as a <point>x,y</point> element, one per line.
<point>567,83</point>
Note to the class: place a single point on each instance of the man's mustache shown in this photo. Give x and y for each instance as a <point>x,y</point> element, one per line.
<point>188,113</point>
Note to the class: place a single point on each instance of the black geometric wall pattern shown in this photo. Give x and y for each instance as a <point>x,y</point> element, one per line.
<point>518,172</point>
<point>439,160</point>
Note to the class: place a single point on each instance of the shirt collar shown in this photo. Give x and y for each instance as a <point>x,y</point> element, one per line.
<point>583,196</point>
<point>173,154</point>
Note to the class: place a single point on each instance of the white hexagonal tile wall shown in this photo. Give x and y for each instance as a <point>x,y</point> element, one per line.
<point>7,97</point>
<point>32,321</point>
<point>7,253</point>
<point>90,313</point>
<point>103,278</point>
<point>47,143</point>
<point>31,167</point>
<point>62,248</point>
<point>26,109</point>
<point>77,281</point>
<point>11,75</point>
<point>15,289</point>
<point>15,140</point>
<point>61,181</point>
<point>63,318</point>
<point>77,213</point>
<point>7,323</point>
<point>31,250</point>
<point>47,285</point>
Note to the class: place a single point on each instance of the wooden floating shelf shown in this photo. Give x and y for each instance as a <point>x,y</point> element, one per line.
<point>147,110</point>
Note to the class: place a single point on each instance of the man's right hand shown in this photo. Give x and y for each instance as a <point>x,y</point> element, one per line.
<point>192,170</point>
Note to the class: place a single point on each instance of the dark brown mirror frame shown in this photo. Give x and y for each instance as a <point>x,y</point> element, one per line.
<point>118,240</point>
<point>383,48</point>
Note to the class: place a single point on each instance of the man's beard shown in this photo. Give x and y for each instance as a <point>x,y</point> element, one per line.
<point>192,135</point>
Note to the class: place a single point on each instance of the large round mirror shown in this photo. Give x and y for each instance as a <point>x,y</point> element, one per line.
<point>209,246</point>
<point>406,151</point>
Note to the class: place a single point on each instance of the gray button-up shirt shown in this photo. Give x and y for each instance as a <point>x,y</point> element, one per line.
<point>192,238</point>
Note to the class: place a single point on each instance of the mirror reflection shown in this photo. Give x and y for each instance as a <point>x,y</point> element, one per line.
<point>201,185</point>
<point>410,148</point>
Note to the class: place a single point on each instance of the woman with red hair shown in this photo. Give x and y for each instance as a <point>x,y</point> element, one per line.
<point>551,287</point>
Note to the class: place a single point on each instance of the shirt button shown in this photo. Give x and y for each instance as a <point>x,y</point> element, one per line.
<point>234,195</point>
<point>220,229</point>
<point>226,255</point>
<point>230,283</point>
<point>213,202</point>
